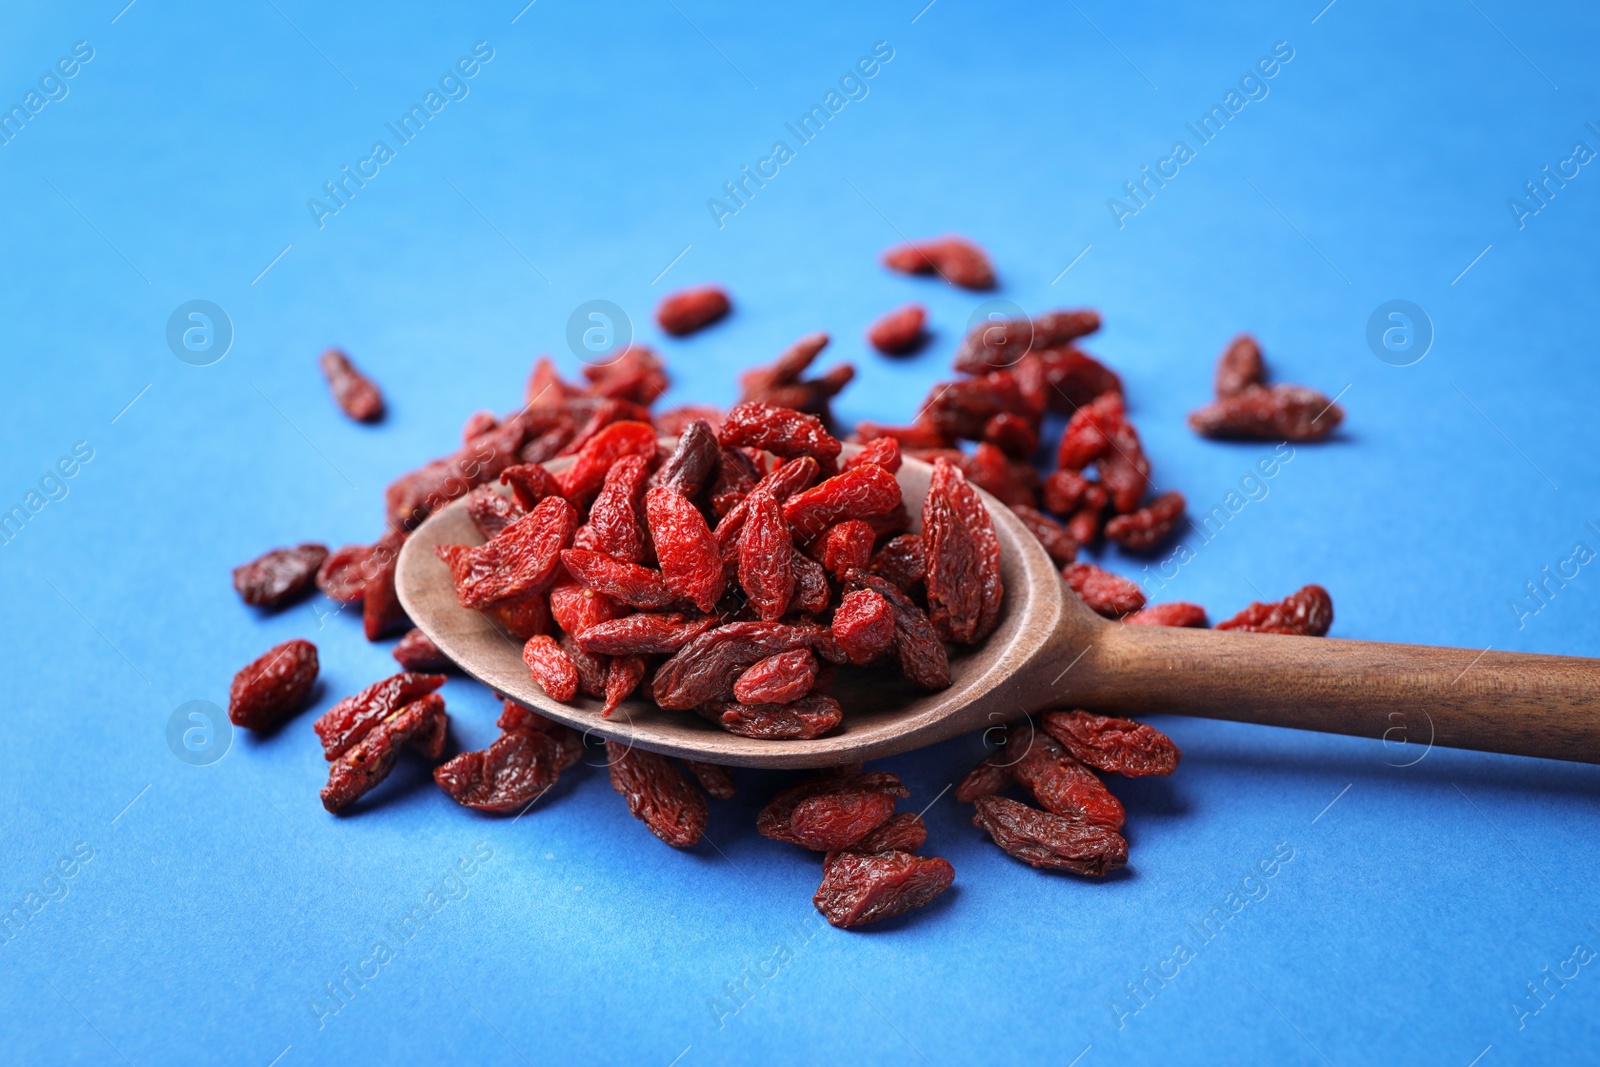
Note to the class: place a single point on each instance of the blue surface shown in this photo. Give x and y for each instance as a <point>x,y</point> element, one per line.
<point>1421,897</point>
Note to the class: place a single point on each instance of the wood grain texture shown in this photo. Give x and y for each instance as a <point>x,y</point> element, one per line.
<point>1052,651</point>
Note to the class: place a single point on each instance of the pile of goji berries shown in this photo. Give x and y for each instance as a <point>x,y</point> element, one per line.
<point>730,576</point>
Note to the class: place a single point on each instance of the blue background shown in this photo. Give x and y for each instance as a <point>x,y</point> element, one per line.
<point>221,899</point>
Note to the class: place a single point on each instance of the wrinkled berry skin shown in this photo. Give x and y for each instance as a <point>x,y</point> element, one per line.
<point>860,888</point>
<point>1175,613</point>
<point>422,725</point>
<point>1107,594</point>
<point>1307,612</point>
<point>1052,842</point>
<point>658,794</point>
<point>1269,413</point>
<point>1115,746</point>
<point>279,577</point>
<point>1148,527</point>
<point>417,652</point>
<point>270,690</point>
<point>351,719</point>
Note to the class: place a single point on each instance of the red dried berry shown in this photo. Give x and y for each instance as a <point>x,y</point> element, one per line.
<point>853,494</point>
<point>766,556</point>
<point>781,431</point>
<point>576,607</point>
<point>1061,784</point>
<point>706,668</point>
<point>1084,524</point>
<point>381,611</point>
<point>552,668</point>
<point>860,888</point>
<point>994,345</point>
<point>838,819</point>
<point>688,310</point>
<point>1052,842</point>
<point>1053,536</point>
<point>1147,528</point>
<point>898,331</point>
<point>348,721</point>
<point>601,415</point>
<point>417,652</point>
<point>902,560</point>
<point>691,564</point>
<point>422,725</point>
<point>595,459</point>
<point>343,575</point>
<point>522,560</point>
<point>863,626</point>
<point>1013,435</point>
<point>515,770</point>
<point>355,393</point>
<point>788,479</point>
<point>643,634</point>
<point>478,424</point>
<point>975,518</point>
<point>1073,379</point>
<point>1176,613</point>
<point>955,590</point>
<point>636,376</point>
<point>1269,413</point>
<point>658,794</point>
<point>715,779</point>
<point>522,616</point>
<point>614,527</point>
<point>776,819</point>
<point>804,719</point>
<point>811,590</point>
<point>530,483</point>
<point>693,462</point>
<point>845,546</point>
<point>905,832</point>
<point>1063,491</point>
<point>780,679</point>
<point>280,576</point>
<point>271,689</point>
<point>618,579</point>
<point>780,384</point>
<point>492,512</point>
<point>884,451</point>
<point>955,259</point>
<point>961,409</point>
<point>1240,367</point>
<point>623,676</point>
<point>1107,594</point>
<point>1307,612</point>
<point>1116,746</point>
<point>593,667</point>
<point>987,778</point>
<point>922,656</point>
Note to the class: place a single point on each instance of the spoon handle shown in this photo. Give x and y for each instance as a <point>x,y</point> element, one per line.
<point>1516,703</point>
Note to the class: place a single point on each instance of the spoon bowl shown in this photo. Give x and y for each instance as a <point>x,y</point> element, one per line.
<point>1050,650</point>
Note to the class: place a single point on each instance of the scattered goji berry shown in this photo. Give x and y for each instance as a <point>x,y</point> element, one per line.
<point>688,310</point>
<point>1053,842</point>
<point>838,819</point>
<point>906,832</point>
<point>1148,527</point>
<point>1063,491</point>
<point>280,576</point>
<point>657,794</point>
<point>1073,379</point>
<point>1307,612</point>
<point>1116,746</point>
<point>776,819</point>
<point>515,770</point>
<point>1176,613</point>
<point>1061,784</point>
<point>1269,413</point>
<point>417,652</point>
<point>348,721</point>
<point>637,375</point>
<point>955,259</point>
<point>780,384</point>
<point>987,778</point>
<point>381,612</point>
<point>269,690</point>
<point>422,725</point>
<point>355,393</point>
<point>898,331</point>
<point>1240,367</point>
<point>885,452</point>
<point>714,778</point>
<point>1013,435</point>
<point>1107,594</point>
<point>860,888</point>
<point>1053,536</point>
<point>343,575</point>
<point>781,431</point>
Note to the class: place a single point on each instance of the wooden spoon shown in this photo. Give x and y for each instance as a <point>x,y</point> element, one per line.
<point>1051,651</point>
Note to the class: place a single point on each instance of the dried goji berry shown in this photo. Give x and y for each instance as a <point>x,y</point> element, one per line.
<point>902,560</point>
<point>348,721</point>
<point>905,832</point>
<point>777,818</point>
<point>1012,434</point>
<point>1057,542</point>
<point>993,345</point>
<point>1009,481</point>
<point>343,575</point>
<point>552,668</point>
<point>636,375</point>
<point>975,518</point>
<point>602,414</point>
<point>766,555</point>
<point>853,494</point>
<point>785,481</point>
<point>492,512</point>
<point>530,483</point>
<point>780,679</point>
<point>781,385</point>
<point>987,778</point>
<point>688,310</point>
<point>1084,524</point>
<point>714,778</point>
<point>781,431</point>
<point>693,462</point>
<point>1107,594</point>
<point>643,634</point>
<point>593,667</point>
<point>917,646</point>
<point>961,409</point>
<point>267,691</point>
<point>614,527</point>
<point>1063,491</point>
<point>522,616</point>
<point>844,546</point>
<point>417,652</point>
<point>1176,613</point>
<point>588,472</point>
<point>355,393</point>
<point>955,259</point>
<point>691,564</point>
<point>1061,784</point>
<point>804,719</point>
<point>706,668</point>
<point>576,607</point>
<point>1269,413</point>
<point>898,331</point>
<point>1073,379</point>
<point>1085,440</point>
<point>1117,746</point>
<point>516,769</point>
<point>863,625</point>
<point>884,451</point>
<point>955,590</point>
<point>623,676</point>
<point>523,559</point>
<point>657,794</point>
<point>811,590</point>
<point>671,423</point>
<point>618,579</point>
<point>478,424</point>
<point>381,612</point>
<point>1240,366</point>
<point>1041,839</point>
<point>422,725</point>
<point>1145,529</point>
<point>860,888</point>
<point>1307,612</point>
<point>279,576</point>
<point>737,474</point>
